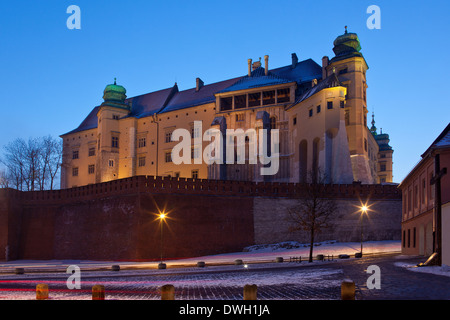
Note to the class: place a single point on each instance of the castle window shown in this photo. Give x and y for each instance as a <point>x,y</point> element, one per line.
<point>226,103</point>
<point>115,142</point>
<point>318,108</point>
<point>254,99</point>
<point>240,101</point>
<point>141,162</point>
<point>75,154</point>
<point>111,163</point>
<point>91,152</point>
<point>168,136</point>
<point>268,97</point>
<point>75,172</point>
<point>310,112</point>
<point>283,95</point>
<point>330,105</point>
<point>91,169</point>
<point>240,117</point>
<point>343,71</point>
<point>115,117</point>
<point>195,153</point>
<point>382,167</point>
<point>294,121</point>
<point>141,142</point>
<point>342,104</point>
<point>195,132</point>
<point>365,144</point>
<point>194,174</point>
<point>168,156</point>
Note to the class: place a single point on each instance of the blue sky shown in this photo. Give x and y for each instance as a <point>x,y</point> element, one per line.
<point>51,77</point>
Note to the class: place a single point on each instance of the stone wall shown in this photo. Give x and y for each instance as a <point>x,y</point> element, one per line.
<point>383,221</point>
<point>117,220</point>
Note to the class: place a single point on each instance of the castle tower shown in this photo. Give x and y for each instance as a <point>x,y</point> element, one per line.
<point>385,159</point>
<point>350,67</point>
<point>109,134</point>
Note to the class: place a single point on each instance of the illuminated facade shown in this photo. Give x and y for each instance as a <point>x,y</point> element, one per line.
<point>320,112</point>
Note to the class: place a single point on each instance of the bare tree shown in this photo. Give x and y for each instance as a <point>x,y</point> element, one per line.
<point>4,179</point>
<point>32,165</point>
<point>52,157</point>
<point>312,211</point>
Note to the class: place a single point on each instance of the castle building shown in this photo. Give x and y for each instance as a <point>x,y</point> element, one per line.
<point>318,112</point>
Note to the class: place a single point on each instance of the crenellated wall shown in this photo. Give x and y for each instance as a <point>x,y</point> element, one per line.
<point>117,220</point>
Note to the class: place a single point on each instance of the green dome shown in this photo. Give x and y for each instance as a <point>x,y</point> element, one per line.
<point>114,92</point>
<point>347,44</point>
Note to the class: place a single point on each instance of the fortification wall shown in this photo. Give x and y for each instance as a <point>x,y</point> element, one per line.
<point>116,220</point>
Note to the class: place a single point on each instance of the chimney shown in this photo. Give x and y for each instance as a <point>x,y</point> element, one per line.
<point>198,84</point>
<point>294,60</point>
<point>325,62</point>
<point>266,68</point>
<point>249,67</point>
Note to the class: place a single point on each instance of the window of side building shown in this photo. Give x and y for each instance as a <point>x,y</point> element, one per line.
<point>91,169</point>
<point>75,154</point>
<point>195,174</point>
<point>91,152</point>
<point>75,172</point>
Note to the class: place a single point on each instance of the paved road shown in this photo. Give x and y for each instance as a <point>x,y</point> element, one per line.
<point>286,281</point>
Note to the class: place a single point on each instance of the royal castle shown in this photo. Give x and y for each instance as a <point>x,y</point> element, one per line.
<point>319,112</point>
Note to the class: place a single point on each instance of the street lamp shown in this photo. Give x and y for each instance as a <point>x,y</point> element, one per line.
<point>363,211</point>
<point>161,217</point>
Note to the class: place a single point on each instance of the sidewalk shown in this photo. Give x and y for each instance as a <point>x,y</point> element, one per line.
<point>255,255</point>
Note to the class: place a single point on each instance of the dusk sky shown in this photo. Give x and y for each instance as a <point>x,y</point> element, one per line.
<point>51,77</point>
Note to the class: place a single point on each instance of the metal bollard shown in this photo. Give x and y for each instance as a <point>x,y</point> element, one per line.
<point>42,292</point>
<point>98,292</point>
<point>348,290</point>
<point>250,292</point>
<point>168,292</point>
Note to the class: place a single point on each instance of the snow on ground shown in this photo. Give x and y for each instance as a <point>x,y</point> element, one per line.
<point>254,254</point>
<point>437,270</point>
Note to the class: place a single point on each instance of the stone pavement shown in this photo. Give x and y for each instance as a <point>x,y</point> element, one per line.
<point>275,281</point>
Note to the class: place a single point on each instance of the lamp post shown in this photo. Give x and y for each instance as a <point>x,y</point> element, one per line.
<point>363,210</point>
<point>162,216</point>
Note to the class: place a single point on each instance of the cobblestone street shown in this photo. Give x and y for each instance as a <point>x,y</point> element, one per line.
<point>283,281</point>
